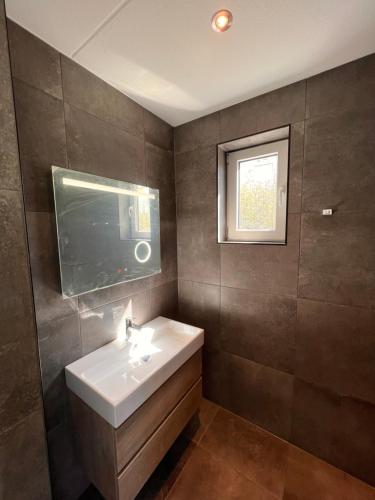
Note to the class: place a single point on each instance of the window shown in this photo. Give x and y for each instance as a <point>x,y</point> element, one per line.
<point>253,192</point>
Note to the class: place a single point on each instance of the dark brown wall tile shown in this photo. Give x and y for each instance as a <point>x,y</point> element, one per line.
<point>168,257</point>
<point>160,175</point>
<point>349,86</point>
<point>239,120</point>
<point>197,134</point>
<point>89,93</point>
<point>23,461</point>
<point>97,298</point>
<point>196,182</point>
<point>213,367</point>
<point>44,260</point>
<point>267,111</point>
<point>15,293</point>
<point>157,131</point>
<point>33,61</point>
<point>41,133</point>
<point>59,345</point>
<point>296,165</point>
<point>255,453</point>
<point>339,171</point>
<point>249,330</point>
<point>99,148</point>
<point>264,268</point>
<point>197,249</point>
<point>336,348</point>
<point>68,480</point>
<point>338,430</point>
<point>9,165</point>
<point>357,439</point>
<point>214,479</point>
<point>258,393</point>
<point>199,305</point>
<point>19,377</point>
<point>104,324</point>
<point>163,302</point>
<point>316,414</point>
<point>337,258</point>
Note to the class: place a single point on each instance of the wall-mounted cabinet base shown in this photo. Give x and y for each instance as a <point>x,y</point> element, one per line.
<point>119,461</point>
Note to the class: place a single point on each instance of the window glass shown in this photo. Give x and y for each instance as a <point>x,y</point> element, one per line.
<point>257,193</point>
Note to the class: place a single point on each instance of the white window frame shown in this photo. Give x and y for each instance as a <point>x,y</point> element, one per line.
<point>277,236</point>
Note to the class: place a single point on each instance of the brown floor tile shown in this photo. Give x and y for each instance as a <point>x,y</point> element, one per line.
<point>205,477</point>
<point>257,454</point>
<point>199,424</point>
<point>309,478</point>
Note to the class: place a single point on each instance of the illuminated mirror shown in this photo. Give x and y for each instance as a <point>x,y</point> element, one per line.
<point>108,231</point>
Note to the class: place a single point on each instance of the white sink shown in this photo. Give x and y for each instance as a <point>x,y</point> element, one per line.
<point>120,376</point>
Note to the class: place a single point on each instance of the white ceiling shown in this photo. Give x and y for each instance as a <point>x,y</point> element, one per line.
<point>164,54</point>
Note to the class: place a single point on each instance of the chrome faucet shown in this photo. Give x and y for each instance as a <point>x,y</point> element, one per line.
<point>129,326</point>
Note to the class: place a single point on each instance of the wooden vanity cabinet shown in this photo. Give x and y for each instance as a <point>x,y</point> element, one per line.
<point>119,461</point>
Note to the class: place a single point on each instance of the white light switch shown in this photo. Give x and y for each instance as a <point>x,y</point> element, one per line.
<point>327,211</point>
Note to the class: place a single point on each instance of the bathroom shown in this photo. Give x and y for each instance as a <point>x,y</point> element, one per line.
<point>170,328</point>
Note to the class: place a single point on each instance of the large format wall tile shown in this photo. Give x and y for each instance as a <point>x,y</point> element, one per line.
<point>41,133</point>
<point>160,175</point>
<point>259,327</point>
<point>23,455</point>
<point>19,378</point>
<point>92,300</point>
<point>163,302</point>
<point>44,260</point>
<point>59,345</point>
<point>197,134</point>
<point>199,305</point>
<point>157,132</point>
<point>23,461</point>
<point>67,477</point>
<point>15,292</point>
<point>296,166</point>
<point>196,182</point>
<point>336,348</point>
<point>349,86</point>
<point>89,93</point>
<point>337,258</point>
<point>106,323</point>
<point>9,165</point>
<point>33,61</point>
<point>357,439</point>
<point>264,268</point>
<point>316,414</point>
<point>97,147</point>
<point>338,429</point>
<point>339,171</point>
<point>197,249</point>
<point>267,111</point>
<point>260,394</point>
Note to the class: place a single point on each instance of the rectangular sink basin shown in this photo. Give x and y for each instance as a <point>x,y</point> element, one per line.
<point>119,377</point>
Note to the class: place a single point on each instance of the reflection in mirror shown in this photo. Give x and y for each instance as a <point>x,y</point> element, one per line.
<point>108,231</point>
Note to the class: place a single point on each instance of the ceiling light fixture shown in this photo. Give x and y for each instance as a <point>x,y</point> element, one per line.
<point>221,20</point>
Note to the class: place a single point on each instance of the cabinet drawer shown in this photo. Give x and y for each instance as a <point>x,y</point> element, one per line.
<point>136,473</point>
<point>137,429</point>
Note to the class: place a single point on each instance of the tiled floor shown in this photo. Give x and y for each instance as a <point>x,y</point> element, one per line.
<point>222,456</point>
